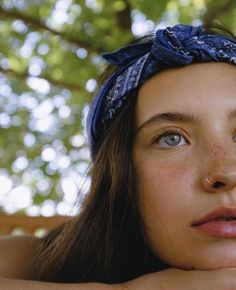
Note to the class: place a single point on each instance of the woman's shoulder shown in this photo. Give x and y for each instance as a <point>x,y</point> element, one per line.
<point>17,256</point>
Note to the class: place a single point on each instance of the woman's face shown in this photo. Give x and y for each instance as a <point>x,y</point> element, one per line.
<point>185,160</point>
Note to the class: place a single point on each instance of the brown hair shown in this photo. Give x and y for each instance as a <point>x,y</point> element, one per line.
<point>104,243</point>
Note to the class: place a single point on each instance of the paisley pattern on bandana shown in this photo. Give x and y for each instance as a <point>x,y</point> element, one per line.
<point>116,96</point>
<point>175,46</point>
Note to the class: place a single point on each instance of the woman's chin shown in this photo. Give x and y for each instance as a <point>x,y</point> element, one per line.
<point>210,265</point>
<point>222,265</point>
<point>207,262</point>
<point>211,257</point>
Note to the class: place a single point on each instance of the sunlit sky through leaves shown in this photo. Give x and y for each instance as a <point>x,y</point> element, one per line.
<point>18,195</point>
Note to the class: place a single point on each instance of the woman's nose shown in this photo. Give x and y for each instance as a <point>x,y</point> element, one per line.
<point>220,178</point>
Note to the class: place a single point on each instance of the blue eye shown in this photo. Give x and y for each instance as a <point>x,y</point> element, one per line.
<point>170,139</point>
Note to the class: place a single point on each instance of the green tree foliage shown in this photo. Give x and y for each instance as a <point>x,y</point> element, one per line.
<point>49,63</point>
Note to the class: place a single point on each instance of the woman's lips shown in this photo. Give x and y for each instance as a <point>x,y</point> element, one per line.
<point>218,223</point>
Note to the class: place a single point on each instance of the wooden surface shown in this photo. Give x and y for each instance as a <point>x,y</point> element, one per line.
<point>21,224</point>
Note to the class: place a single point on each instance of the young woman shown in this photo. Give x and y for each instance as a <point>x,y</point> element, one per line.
<point>161,212</point>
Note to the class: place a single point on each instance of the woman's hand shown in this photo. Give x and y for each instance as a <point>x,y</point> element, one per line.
<point>175,279</point>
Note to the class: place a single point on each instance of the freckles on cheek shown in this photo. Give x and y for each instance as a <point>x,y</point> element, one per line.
<point>165,185</point>
<point>164,174</point>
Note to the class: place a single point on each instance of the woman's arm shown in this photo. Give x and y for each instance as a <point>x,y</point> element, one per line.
<point>16,257</point>
<point>176,279</point>
<point>9,284</point>
<point>171,279</point>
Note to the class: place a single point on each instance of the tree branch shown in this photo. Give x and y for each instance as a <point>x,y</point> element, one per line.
<point>124,17</point>
<point>217,11</point>
<point>39,25</point>
<point>25,76</point>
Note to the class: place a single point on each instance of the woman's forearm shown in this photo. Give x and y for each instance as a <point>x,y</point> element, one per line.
<point>171,279</point>
<point>9,284</point>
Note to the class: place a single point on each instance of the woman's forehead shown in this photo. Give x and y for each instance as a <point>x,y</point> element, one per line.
<point>192,75</point>
<point>203,84</point>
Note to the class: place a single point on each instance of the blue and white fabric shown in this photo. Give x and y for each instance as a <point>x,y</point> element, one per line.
<point>175,46</point>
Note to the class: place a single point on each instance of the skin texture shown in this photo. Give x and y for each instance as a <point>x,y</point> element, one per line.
<point>172,179</point>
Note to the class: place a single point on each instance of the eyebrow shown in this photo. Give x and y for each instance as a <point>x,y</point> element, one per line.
<point>169,117</point>
<point>175,117</point>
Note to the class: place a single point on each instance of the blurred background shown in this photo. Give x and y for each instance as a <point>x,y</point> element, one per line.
<point>49,66</point>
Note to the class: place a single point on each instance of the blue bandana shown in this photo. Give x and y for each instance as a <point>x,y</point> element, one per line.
<point>175,46</point>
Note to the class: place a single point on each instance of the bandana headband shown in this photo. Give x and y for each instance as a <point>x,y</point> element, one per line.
<point>175,46</point>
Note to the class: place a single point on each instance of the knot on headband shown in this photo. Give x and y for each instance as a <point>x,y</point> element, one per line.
<point>182,45</point>
<point>175,46</point>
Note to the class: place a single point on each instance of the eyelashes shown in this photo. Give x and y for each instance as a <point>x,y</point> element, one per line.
<point>170,138</point>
